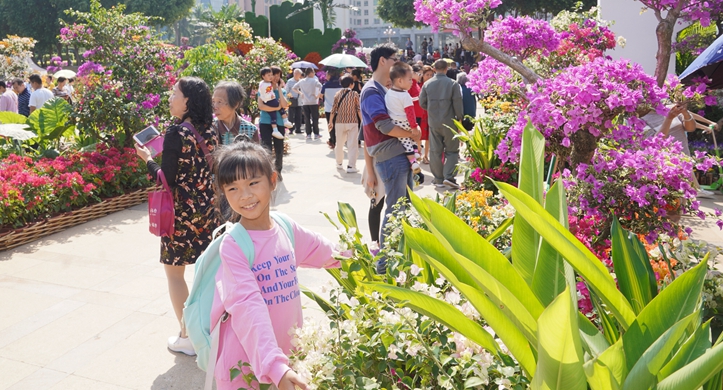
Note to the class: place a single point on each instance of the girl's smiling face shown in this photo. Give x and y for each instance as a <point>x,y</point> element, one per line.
<point>250,197</point>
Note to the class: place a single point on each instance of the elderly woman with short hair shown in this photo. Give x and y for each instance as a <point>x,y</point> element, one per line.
<point>228,98</point>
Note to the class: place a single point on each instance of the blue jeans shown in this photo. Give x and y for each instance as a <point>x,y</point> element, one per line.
<point>396,173</point>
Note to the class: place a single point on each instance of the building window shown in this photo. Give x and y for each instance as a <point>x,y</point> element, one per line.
<point>376,2</point>
<point>358,22</point>
<point>366,3</point>
<point>358,3</point>
<point>366,21</point>
<point>376,21</point>
<point>366,12</point>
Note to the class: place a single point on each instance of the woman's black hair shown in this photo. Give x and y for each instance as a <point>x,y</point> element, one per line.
<point>357,73</point>
<point>198,106</point>
<point>235,94</point>
<point>242,159</point>
<point>346,81</point>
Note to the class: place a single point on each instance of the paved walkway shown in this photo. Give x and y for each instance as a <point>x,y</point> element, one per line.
<point>88,308</point>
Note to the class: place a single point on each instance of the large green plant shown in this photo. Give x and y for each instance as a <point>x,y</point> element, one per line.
<point>50,123</point>
<point>211,62</point>
<point>648,341</point>
<point>288,17</point>
<point>315,41</point>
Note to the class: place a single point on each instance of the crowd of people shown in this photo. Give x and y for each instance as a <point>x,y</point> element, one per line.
<point>25,96</point>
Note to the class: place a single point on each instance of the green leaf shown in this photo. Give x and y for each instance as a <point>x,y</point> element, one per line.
<point>593,341</point>
<point>470,273</point>
<point>606,371</point>
<point>323,303</point>
<point>678,300</point>
<point>577,255</point>
<point>473,382</point>
<point>697,373</point>
<point>695,346</point>
<point>559,364</point>
<point>608,324</point>
<point>440,311</point>
<point>500,230</point>
<point>53,114</point>
<point>8,117</point>
<point>531,177</point>
<point>508,330</point>
<point>632,268</point>
<point>550,276</point>
<point>469,247</point>
<point>643,374</point>
<point>347,215</point>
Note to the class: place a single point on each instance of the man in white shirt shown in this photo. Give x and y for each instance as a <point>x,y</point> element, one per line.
<point>40,94</point>
<point>8,99</point>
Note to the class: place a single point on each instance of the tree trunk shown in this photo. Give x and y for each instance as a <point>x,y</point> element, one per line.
<point>474,44</point>
<point>583,148</point>
<point>664,33</point>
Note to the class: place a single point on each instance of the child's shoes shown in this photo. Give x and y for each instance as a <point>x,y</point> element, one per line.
<point>288,124</point>
<point>277,134</point>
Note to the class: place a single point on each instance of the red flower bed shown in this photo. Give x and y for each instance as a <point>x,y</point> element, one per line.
<point>33,190</point>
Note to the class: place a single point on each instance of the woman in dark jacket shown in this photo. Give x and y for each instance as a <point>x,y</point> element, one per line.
<point>187,171</point>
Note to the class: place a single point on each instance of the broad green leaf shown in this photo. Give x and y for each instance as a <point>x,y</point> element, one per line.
<point>8,117</point>
<point>715,382</point>
<point>458,238</point>
<point>419,205</point>
<point>34,122</point>
<point>439,311</point>
<point>559,363</point>
<point>530,180</point>
<point>697,373</point>
<point>678,300</point>
<point>593,341</point>
<point>549,278</point>
<point>500,230</point>
<point>644,372</point>
<point>580,258</point>
<point>695,346</point>
<point>429,274</point>
<point>608,324</point>
<point>53,114</point>
<point>469,273</point>
<point>347,216</point>
<point>632,268</point>
<point>506,330</point>
<point>606,371</point>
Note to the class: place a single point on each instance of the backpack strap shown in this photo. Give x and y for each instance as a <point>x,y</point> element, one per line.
<point>285,223</point>
<point>243,240</point>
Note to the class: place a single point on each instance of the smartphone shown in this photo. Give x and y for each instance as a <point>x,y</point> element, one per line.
<point>146,135</point>
<point>150,138</point>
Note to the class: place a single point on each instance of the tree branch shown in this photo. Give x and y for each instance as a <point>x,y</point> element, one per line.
<point>473,44</point>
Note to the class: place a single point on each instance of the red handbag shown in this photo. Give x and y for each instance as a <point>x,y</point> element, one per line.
<point>161,214</point>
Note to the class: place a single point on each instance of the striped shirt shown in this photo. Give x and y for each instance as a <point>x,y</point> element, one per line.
<point>346,111</point>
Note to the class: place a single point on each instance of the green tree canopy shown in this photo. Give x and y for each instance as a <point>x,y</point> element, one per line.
<point>400,13</point>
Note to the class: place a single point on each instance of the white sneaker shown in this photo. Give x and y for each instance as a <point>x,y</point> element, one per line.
<point>351,170</point>
<point>706,194</point>
<point>181,344</point>
<point>277,134</point>
<point>340,166</point>
<point>288,124</point>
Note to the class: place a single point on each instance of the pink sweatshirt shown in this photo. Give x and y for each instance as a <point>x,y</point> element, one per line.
<point>264,302</point>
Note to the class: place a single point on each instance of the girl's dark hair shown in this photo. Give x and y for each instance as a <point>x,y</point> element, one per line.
<point>275,69</point>
<point>235,94</point>
<point>357,73</point>
<point>242,159</point>
<point>198,106</point>
<point>264,71</point>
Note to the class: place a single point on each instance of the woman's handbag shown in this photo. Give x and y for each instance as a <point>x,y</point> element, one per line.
<point>161,214</point>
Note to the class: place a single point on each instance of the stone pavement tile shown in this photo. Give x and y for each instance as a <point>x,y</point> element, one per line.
<point>62,335</point>
<point>160,306</point>
<point>15,262</point>
<point>17,305</point>
<point>73,382</point>
<point>142,361</point>
<point>12,371</point>
<point>40,379</point>
<point>66,274</point>
<point>36,321</point>
<point>37,287</point>
<point>148,287</point>
<point>110,299</point>
<point>88,351</point>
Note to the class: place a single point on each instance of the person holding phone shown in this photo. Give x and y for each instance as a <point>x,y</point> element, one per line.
<point>187,169</point>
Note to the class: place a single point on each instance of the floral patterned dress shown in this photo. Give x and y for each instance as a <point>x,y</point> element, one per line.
<point>190,178</point>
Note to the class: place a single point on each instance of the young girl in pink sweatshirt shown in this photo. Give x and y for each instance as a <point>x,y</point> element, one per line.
<point>263,301</point>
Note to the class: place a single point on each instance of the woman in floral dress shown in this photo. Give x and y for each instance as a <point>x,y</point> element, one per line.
<point>187,170</point>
